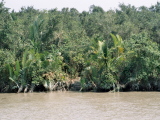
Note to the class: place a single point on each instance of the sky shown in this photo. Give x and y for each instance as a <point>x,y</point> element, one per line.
<point>80,5</point>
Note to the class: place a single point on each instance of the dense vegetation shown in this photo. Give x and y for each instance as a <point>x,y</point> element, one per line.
<point>113,49</point>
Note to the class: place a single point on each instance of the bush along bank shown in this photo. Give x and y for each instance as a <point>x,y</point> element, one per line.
<point>106,69</point>
<point>63,50</point>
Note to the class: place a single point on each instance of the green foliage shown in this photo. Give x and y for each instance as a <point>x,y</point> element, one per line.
<point>104,63</point>
<point>144,64</point>
<point>37,46</point>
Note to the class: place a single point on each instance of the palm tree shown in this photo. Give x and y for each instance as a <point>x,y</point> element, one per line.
<point>36,34</point>
<point>19,74</point>
<point>108,62</point>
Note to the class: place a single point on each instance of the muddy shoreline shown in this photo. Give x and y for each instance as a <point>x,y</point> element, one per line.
<point>75,85</point>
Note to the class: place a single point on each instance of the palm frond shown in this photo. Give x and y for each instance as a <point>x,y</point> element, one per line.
<point>14,81</point>
<point>114,39</point>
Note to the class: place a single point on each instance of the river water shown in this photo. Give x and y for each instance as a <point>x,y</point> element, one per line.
<point>80,106</point>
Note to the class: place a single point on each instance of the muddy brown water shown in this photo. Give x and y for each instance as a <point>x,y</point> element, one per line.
<point>80,106</point>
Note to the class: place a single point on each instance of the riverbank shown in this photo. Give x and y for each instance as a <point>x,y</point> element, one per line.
<point>76,85</point>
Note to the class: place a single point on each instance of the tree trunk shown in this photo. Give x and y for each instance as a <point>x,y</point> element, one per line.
<point>4,90</point>
<point>32,88</point>
<point>55,86</point>
<point>26,89</point>
<point>20,89</point>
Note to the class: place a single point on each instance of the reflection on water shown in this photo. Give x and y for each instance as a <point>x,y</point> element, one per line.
<point>80,106</point>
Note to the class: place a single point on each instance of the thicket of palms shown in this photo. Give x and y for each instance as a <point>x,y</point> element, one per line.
<point>39,47</point>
